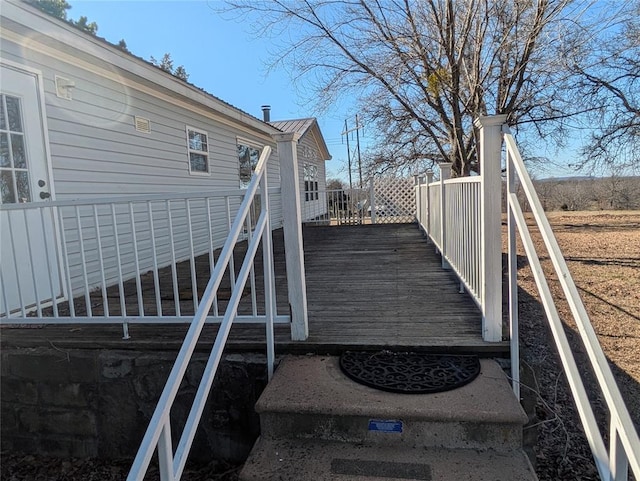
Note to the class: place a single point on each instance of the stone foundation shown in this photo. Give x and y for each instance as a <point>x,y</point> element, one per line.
<point>97,403</point>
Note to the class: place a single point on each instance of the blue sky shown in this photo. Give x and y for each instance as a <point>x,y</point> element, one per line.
<point>219,53</point>
<point>222,55</point>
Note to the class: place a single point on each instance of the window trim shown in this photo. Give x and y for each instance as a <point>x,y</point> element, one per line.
<point>201,152</point>
<point>311,185</point>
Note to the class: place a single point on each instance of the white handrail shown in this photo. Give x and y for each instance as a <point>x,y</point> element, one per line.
<point>158,434</point>
<point>624,441</point>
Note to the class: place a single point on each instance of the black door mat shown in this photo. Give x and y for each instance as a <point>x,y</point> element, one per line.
<point>410,372</point>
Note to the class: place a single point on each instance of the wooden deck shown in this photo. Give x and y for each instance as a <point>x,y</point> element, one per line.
<point>367,286</point>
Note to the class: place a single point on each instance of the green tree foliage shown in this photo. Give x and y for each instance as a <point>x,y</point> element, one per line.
<point>166,64</point>
<point>181,73</point>
<point>56,8</point>
<point>83,24</point>
<point>122,45</point>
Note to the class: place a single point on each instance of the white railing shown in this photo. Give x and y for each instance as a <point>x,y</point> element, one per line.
<point>457,221</point>
<point>624,445</point>
<point>131,260</point>
<point>462,218</point>
<point>158,435</point>
<point>336,207</point>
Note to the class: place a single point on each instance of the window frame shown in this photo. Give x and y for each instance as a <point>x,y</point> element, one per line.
<point>311,185</point>
<point>205,153</point>
<point>12,147</point>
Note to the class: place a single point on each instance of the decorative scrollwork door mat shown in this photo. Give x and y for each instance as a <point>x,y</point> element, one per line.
<point>410,372</point>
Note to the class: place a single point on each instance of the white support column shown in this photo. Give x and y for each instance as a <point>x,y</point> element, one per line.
<point>293,246</point>
<point>428,203</point>
<point>418,197</point>
<point>445,174</point>
<point>490,150</point>
<point>372,200</point>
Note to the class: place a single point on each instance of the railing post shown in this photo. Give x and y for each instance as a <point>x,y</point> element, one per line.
<point>418,197</point>
<point>292,219</point>
<point>490,149</point>
<point>372,200</point>
<point>428,204</point>
<point>445,174</point>
<point>512,256</point>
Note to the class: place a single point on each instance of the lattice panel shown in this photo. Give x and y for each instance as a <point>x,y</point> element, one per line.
<point>395,200</point>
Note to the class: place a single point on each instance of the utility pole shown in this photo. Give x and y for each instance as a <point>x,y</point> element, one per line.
<point>358,144</point>
<point>346,132</point>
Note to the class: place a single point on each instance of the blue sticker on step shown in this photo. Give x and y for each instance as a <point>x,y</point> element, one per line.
<point>385,426</point>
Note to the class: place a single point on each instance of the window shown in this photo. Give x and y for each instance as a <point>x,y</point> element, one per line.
<point>310,182</point>
<point>248,157</point>
<point>198,149</point>
<point>14,175</point>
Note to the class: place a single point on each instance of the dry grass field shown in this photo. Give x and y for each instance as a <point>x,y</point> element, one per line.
<point>602,250</point>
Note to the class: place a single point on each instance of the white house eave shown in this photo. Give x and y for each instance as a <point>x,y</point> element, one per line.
<point>32,19</point>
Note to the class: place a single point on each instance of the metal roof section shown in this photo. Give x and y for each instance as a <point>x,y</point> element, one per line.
<point>303,127</point>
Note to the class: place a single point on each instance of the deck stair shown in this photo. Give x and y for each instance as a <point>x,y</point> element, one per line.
<point>319,425</point>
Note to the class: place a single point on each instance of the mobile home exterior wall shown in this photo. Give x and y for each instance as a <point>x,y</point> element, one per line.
<point>95,148</point>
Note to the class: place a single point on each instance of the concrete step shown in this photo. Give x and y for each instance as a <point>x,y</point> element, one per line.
<point>309,398</point>
<point>297,460</point>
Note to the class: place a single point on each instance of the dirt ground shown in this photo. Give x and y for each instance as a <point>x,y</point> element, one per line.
<point>602,250</point>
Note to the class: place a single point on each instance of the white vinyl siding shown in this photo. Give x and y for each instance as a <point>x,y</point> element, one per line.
<point>314,205</point>
<point>96,152</point>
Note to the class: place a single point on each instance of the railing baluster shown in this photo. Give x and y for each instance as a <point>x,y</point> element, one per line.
<point>154,255</point>
<point>212,259</point>
<point>192,257</point>
<point>174,273</point>
<point>3,286</point>
<point>252,272</point>
<point>31,264</point>
<point>65,258</point>
<point>116,240</point>
<point>232,265</point>
<point>136,257</point>
<point>105,299</point>
<point>269,284</point>
<point>14,256</point>
<point>87,295</point>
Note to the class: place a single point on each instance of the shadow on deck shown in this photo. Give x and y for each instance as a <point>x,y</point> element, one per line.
<point>368,286</point>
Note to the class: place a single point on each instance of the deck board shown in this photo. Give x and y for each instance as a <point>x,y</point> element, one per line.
<point>367,286</point>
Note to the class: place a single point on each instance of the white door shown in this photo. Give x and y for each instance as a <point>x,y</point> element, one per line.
<point>28,242</point>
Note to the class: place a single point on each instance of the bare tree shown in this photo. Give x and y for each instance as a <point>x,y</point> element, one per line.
<point>422,71</point>
<point>608,71</point>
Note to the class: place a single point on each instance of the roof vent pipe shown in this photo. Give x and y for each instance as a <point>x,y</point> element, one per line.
<point>266,113</point>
